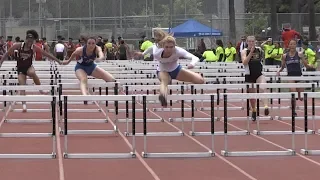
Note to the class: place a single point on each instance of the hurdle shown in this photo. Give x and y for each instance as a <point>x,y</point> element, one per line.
<point>287,152</point>
<point>127,120</point>
<point>181,98</point>
<point>33,98</point>
<point>105,85</point>
<point>67,132</point>
<point>306,150</point>
<point>29,88</point>
<point>282,85</point>
<point>145,110</point>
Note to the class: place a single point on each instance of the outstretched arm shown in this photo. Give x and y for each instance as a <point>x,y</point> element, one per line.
<point>185,54</point>
<point>76,53</point>
<point>100,54</point>
<point>45,53</point>
<point>10,51</point>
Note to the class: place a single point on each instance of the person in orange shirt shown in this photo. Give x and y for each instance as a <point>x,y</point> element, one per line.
<point>288,34</point>
<point>70,47</point>
<point>38,54</point>
<point>80,44</point>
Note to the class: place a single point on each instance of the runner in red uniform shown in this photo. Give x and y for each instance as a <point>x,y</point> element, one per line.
<point>23,53</point>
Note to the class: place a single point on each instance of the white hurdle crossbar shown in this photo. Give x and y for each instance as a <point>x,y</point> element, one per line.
<point>28,88</point>
<point>33,98</point>
<point>306,95</point>
<point>181,98</point>
<point>279,117</point>
<point>227,96</point>
<point>106,85</point>
<point>67,132</point>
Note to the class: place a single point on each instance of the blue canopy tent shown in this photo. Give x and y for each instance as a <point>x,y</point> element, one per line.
<point>193,28</point>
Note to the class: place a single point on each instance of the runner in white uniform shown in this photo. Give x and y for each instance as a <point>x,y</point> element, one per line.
<point>168,54</point>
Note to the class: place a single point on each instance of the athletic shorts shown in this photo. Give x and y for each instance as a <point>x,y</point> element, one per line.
<point>251,78</point>
<point>173,74</point>
<point>23,70</point>
<point>87,68</point>
<point>295,74</point>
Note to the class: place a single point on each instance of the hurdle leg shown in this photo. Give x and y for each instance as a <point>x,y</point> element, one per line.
<point>293,114</point>
<point>127,112</point>
<point>218,105</point>
<point>65,131</point>
<point>144,104</point>
<point>225,125</point>
<point>54,121</point>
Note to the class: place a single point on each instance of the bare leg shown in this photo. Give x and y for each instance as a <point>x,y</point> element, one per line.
<point>190,76</point>
<point>82,76</point>
<point>32,73</point>
<point>165,79</point>
<point>262,79</point>
<point>100,73</point>
<point>253,103</point>
<point>22,81</point>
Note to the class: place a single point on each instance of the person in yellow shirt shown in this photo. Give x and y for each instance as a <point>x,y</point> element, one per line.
<point>310,55</point>
<point>277,54</point>
<point>220,51</point>
<point>109,50</point>
<point>144,46</point>
<point>209,56</point>
<point>268,49</point>
<point>230,52</point>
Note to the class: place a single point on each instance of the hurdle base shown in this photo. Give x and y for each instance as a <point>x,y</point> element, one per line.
<point>90,132</point>
<point>99,155</point>
<point>87,121</point>
<point>288,152</point>
<point>229,108</point>
<point>172,109</point>
<point>85,110</point>
<point>310,152</point>
<point>124,110</point>
<point>157,134</point>
<point>179,155</point>
<point>256,132</point>
<point>220,133</point>
<point>140,120</point>
<point>190,119</point>
<point>289,118</point>
<point>28,156</point>
<point>28,121</point>
<point>25,135</point>
<point>30,110</point>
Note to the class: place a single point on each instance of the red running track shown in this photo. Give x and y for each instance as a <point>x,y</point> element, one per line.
<point>223,168</point>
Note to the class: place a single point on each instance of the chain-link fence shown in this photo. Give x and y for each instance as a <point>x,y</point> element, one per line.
<point>108,18</point>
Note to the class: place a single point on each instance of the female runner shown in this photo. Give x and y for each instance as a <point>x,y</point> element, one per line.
<point>291,60</point>
<point>167,54</point>
<point>86,66</point>
<point>24,55</point>
<point>252,60</point>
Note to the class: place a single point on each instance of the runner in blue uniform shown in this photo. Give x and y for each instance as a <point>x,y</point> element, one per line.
<point>291,60</point>
<point>86,66</point>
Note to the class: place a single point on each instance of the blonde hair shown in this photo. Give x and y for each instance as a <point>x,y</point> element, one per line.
<point>160,34</point>
<point>163,37</point>
<point>251,38</point>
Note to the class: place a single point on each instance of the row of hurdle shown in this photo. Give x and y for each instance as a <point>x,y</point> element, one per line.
<point>144,98</point>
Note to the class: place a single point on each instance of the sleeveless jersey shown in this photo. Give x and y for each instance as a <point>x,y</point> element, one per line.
<point>85,59</point>
<point>255,64</point>
<point>24,57</point>
<point>293,63</point>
